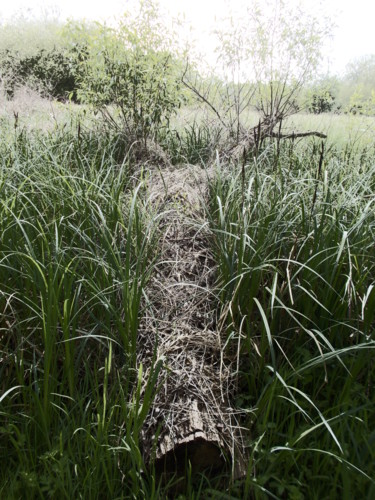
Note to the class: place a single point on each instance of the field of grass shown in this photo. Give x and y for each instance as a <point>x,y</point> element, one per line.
<point>342,130</point>
<point>292,232</point>
<point>295,248</point>
<point>33,112</point>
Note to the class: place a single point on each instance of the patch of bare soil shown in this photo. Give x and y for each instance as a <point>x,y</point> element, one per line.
<point>191,418</point>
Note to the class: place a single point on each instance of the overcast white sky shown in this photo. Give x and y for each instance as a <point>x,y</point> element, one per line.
<point>355,19</point>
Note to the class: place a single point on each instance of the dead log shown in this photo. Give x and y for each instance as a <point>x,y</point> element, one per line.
<point>191,419</point>
<point>198,443</point>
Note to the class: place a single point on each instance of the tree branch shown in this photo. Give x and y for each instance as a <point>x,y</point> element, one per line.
<point>201,97</point>
<point>294,135</point>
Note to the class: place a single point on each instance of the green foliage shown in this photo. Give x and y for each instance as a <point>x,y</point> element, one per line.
<point>28,35</point>
<point>356,88</point>
<point>75,253</point>
<point>53,73</point>
<point>359,104</point>
<point>140,86</point>
<point>321,96</point>
<point>195,144</point>
<point>276,47</point>
<point>361,73</point>
<point>322,103</point>
<point>132,75</point>
<point>36,53</point>
<point>293,238</point>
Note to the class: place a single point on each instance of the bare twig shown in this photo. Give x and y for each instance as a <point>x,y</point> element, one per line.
<point>201,96</point>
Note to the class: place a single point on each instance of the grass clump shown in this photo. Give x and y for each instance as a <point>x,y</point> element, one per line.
<point>194,144</point>
<point>294,243</point>
<point>75,253</point>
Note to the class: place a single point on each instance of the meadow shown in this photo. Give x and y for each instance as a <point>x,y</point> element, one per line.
<point>291,230</point>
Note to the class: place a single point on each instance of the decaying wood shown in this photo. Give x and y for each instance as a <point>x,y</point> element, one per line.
<point>252,139</point>
<point>243,140</point>
<point>191,418</point>
<point>296,135</point>
<point>198,442</point>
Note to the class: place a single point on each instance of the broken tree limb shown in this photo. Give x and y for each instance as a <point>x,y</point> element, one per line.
<point>253,138</point>
<point>201,97</point>
<point>296,135</point>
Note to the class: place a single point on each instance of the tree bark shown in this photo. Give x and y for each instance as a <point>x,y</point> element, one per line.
<point>191,419</point>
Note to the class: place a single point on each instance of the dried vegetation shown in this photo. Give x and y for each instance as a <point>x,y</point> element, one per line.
<point>192,417</point>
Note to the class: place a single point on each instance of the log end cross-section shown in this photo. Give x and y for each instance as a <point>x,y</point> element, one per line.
<point>198,442</point>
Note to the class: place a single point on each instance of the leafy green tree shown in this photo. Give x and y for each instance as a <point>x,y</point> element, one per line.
<point>131,74</point>
<point>322,96</point>
<point>28,35</point>
<point>358,86</point>
<point>361,71</point>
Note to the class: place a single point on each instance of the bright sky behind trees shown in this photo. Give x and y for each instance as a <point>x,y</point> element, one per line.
<point>354,34</point>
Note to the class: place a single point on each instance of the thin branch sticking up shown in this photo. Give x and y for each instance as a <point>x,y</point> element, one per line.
<point>201,97</point>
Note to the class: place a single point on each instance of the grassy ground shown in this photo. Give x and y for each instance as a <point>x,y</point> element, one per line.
<point>342,130</point>
<point>34,112</point>
<point>76,250</point>
<point>294,243</point>
<point>293,236</point>
<point>28,110</point>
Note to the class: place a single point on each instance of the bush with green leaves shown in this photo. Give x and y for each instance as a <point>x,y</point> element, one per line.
<point>53,73</point>
<point>133,73</point>
<point>322,102</point>
<point>136,91</point>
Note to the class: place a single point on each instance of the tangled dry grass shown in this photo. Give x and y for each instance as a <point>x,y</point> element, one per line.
<point>29,110</point>
<point>191,417</point>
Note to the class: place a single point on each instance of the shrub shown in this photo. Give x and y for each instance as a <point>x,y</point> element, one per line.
<point>132,74</point>
<point>53,73</point>
<point>136,90</point>
<point>322,102</point>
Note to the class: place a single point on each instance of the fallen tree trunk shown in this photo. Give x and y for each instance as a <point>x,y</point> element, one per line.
<point>242,139</point>
<point>191,419</point>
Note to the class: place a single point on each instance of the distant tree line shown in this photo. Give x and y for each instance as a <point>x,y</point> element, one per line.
<point>136,68</point>
<point>353,93</point>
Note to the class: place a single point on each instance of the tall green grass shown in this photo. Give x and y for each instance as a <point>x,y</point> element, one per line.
<point>294,242</point>
<point>76,249</point>
<point>194,143</point>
